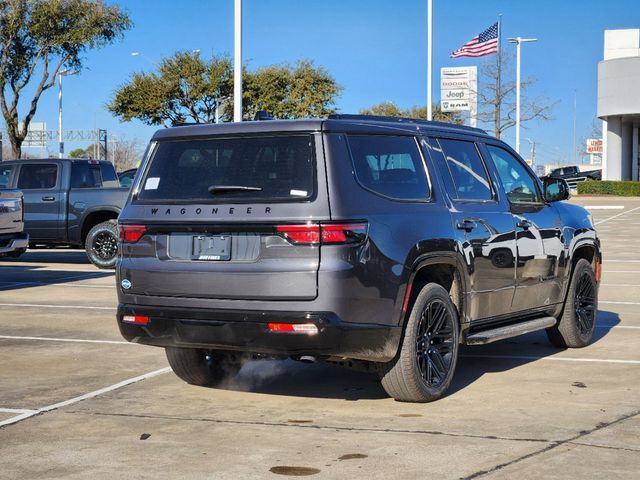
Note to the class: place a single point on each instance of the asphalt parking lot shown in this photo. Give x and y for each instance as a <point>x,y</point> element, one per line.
<point>76,401</point>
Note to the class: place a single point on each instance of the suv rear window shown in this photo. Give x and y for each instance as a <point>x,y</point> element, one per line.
<point>390,166</point>
<point>279,168</point>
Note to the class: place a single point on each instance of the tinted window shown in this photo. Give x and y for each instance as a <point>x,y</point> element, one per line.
<point>273,168</point>
<point>108,173</point>
<point>518,183</point>
<point>85,175</point>
<point>37,176</point>
<point>5,175</point>
<point>470,178</point>
<point>390,166</point>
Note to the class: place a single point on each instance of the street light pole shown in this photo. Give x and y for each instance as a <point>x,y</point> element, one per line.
<point>518,41</point>
<point>61,74</point>
<point>237,62</point>
<point>429,59</point>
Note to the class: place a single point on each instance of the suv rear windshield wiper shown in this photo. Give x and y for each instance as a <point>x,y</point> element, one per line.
<point>213,189</point>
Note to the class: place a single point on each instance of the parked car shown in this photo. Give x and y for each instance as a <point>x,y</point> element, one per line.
<point>369,241</point>
<point>573,175</point>
<point>125,178</point>
<point>13,240</point>
<point>71,202</point>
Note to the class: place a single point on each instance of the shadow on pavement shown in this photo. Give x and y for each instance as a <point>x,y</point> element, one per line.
<point>320,380</point>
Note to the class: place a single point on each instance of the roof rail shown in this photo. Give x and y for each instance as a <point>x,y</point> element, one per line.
<point>381,118</point>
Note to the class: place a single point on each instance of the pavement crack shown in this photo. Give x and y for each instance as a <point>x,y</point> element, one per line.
<point>553,445</point>
<point>608,447</point>
<point>313,426</point>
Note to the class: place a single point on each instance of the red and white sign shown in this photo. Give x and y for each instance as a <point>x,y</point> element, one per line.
<point>594,145</point>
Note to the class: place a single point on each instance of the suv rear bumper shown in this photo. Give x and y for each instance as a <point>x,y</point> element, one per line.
<point>12,242</point>
<point>247,331</point>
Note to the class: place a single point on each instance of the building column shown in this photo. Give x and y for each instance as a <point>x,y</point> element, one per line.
<point>635,158</point>
<point>613,165</point>
<point>627,141</point>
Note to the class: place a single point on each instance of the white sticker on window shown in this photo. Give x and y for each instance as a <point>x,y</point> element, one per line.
<point>298,193</point>
<point>152,183</point>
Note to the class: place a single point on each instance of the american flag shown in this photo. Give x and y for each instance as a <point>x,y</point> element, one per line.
<point>484,44</point>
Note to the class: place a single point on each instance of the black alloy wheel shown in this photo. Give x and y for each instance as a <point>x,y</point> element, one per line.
<point>434,343</point>
<point>585,303</point>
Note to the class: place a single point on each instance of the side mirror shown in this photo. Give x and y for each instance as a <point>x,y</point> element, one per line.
<point>556,189</point>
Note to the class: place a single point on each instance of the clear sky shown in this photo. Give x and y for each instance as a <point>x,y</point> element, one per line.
<point>376,49</point>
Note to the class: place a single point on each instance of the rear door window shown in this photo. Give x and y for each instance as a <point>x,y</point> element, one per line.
<point>391,166</point>
<point>470,177</point>
<point>85,175</point>
<point>38,176</point>
<point>5,175</point>
<point>244,169</point>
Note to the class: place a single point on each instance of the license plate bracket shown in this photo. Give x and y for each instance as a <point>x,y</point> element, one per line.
<point>211,248</point>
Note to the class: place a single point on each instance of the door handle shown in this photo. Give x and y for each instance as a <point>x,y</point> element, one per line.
<point>466,225</point>
<point>525,224</point>
<point>48,198</point>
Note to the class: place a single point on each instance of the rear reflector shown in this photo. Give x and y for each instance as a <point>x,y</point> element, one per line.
<point>326,233</point>
<point>137,319</point>
<point>131,233</point>
<point>308,328</point>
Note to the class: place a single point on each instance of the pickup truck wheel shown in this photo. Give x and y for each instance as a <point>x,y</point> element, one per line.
<point>578,321</point>
<point>201,367</point>
<point>424,367</point>
<point>101,244</point>
<point>15,253</point>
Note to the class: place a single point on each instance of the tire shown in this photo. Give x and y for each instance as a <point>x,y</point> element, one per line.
<point>577,322</point>
<point>101,244</point>
<point>429,349</point>
<point>15,254</point>
<point>201,367</point>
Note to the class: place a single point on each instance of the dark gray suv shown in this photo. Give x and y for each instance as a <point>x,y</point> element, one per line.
<point>368,241</point>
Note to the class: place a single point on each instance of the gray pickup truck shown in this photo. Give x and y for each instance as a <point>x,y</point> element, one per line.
<point>70,202</point>
<point>13,240</point>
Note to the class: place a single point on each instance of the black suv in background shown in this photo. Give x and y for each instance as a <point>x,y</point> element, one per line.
<point>353,238</point>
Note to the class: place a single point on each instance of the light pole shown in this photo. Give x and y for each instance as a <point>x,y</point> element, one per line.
<point>518,41</point>
<point>237,61</point>
<point>429,59</point>
<point>61,73</point>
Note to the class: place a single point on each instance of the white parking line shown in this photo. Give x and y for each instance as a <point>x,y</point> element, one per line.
<point>71,340</point>
<point>16,410</point>
<point>95,393</point>
<point>604,207</point>
<point>610,327</point>
<point>609,302</point>
<point>47,284</point>
<point>37,305</point>
<point>616,216</point>
<point>557,359</point>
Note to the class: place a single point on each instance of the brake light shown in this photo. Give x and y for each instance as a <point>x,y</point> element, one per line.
<point>131,233</point>
<point>325,233</point>
<point>136,319</point>
<point>308,328</point>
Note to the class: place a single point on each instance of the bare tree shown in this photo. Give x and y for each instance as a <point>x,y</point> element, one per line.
<point>497,101</point>
<point>124,152</point>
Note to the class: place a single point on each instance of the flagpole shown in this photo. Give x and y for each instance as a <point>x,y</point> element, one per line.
<point>429,59</point>
<point>498,80</point>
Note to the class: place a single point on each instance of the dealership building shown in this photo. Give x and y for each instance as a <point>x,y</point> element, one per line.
<point>619,104</point>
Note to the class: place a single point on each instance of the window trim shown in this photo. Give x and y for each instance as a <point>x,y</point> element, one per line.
<point>534,177</point>
<point>55,185</point>
<point>428,199</point>
<point>494,195</point>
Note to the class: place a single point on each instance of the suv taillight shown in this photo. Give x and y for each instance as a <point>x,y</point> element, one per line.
<point>325,233</point>
<point>131,233</point>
